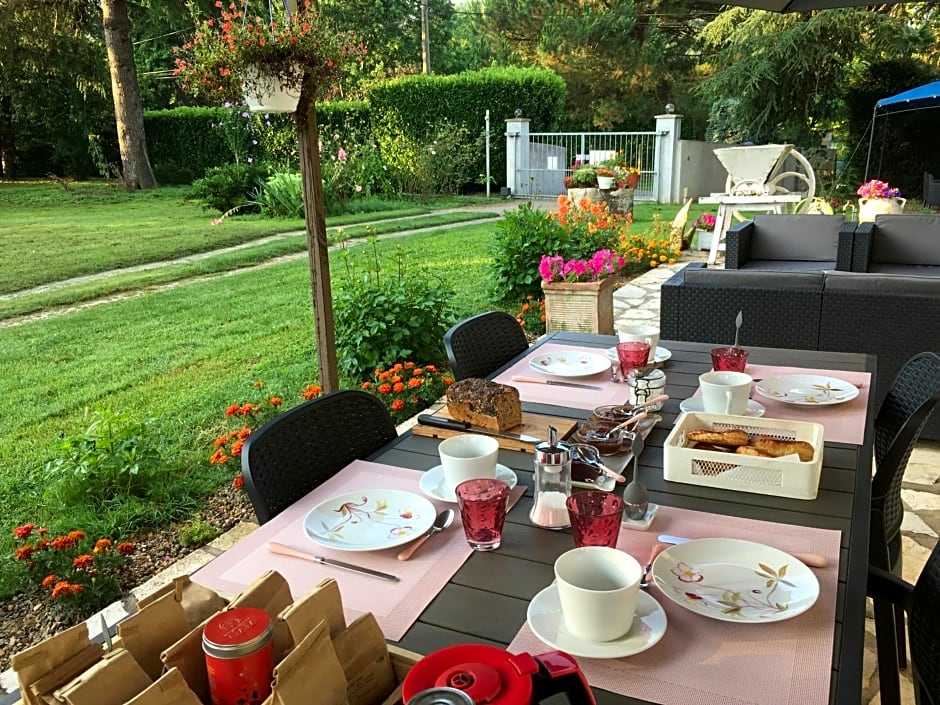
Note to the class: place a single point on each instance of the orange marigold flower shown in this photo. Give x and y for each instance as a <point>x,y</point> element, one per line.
<point>243,433</point>
<point>220,441</point>
<point>42,531</point>
<point>237,448</point>
<point>385,375</point>
<point>398,367</point>
<point>232,410</point>
<point>21,532</point>
<point>75,588</point>
<point>61,589</point>
<point>126,548</point>
<point>60,543</point>
<point>396,379</point>
<point>418,372</point>
<point>23,553</point>
<point>102,545</point>
<point>238,482</point>
<point>366,385</point>
<point>448,381</point>
<point>398,387</point>
<point>414,382</point>
<point>219,457</point>
<point>311,391</point>
<point>43,542</point>
<point>430,369</point>
<point>385,388</point>
<point>398,405</point>
<point>653,263</point>
<point>49,580</point>
<point>77,535</point>
<point>246,409</point>
<point>276,401</point>
<point>258,384</point>
<point>83,562</point>
<point>525,307</point>
<point>409,365</point>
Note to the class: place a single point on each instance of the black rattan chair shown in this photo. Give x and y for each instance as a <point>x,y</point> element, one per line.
<point>481,344</point>
<point>305,446</point>
<point>922,604</point>
<point>901,418</point>
<point>791,243</point>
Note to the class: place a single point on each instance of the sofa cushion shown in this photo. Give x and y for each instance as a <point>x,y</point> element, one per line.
<point>785,265</point>
<point>906,239</point>
<point>755,279</point>
<point>912,270</point>
<point>875,285</point>
<point>796,237</point>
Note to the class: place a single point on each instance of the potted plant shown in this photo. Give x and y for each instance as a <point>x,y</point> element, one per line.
<point>625,175</point>
<point>605,178</point>
<point>704,228</point>
<point>876,198</point>
<point>268,56</point>
<point>579,293</point>
<point>582,176</point>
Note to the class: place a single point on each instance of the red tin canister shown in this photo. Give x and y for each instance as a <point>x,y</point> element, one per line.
<point>239,658</point>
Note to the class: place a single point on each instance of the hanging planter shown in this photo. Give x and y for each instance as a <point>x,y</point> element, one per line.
<point>265,94</point>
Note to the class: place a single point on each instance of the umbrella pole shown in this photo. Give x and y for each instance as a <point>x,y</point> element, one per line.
<point>874,114</point>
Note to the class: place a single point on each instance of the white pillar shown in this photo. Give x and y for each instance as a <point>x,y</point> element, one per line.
<point>517,156</point>
<point>669,126</point>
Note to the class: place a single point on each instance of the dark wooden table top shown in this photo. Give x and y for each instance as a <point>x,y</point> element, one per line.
<point>486,600</point>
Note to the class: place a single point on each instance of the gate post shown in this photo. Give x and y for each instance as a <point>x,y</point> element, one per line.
<point>517,156</point>
<point>669,129</point>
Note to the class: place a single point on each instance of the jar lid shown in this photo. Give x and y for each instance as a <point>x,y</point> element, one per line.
<point>652,374</point>
<point>548,454</point>
<point>237,632</point>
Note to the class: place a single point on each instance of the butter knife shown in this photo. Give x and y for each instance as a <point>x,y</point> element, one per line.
<point>283,550</point>
<point>557,383</point>
<point>455,425</point>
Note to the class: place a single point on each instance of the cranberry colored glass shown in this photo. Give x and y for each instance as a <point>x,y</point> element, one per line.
<point>595,518</point>
<point>632,356</point>
<point>729,359</point>
<point>483,504</point>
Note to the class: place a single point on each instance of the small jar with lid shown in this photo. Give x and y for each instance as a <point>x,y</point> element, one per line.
<point>642,389</point>
<point>552,483</point>
<point>239,656</point>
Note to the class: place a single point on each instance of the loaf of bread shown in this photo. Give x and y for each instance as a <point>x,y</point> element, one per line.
<point>484,403</point>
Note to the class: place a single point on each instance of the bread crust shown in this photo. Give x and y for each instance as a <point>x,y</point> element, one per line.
<point>482,402</point>
<point>776,448</point>
<point>731,437</point>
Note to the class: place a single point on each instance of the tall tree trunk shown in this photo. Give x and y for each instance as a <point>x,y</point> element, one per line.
<point>7,138</point>
<point>128,114</point>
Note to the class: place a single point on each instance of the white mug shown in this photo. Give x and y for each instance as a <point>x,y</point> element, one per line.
<point>597,589</point>
<point>725,392</point>
<point>467,457</point>
<point>640,333</point>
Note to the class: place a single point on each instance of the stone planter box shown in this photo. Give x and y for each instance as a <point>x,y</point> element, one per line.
<point>585,307</point>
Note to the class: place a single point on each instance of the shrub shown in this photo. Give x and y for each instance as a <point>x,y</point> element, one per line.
<point>197,533</point>
<point>440,166</point>
<point>644,251</point>
<point>227,187</point>
<point>531,316</point>
<point>382,318</point>
<point>407,388</point>
<point>116,456</point>
<point>281,196</point>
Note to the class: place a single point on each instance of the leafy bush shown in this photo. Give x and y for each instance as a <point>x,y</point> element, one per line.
<point>441,165</point>
<point>197,533</point>
<point>382,318</point>
<point>117,455</point>
<point>281,196</point>
<point>228,186</point>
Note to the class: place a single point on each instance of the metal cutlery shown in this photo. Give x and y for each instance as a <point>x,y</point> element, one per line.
<point>455,425</point>
<point>577,385</point>
<point>648,568</point>
<point>813,560</point>
<point>441,522</point>
<point>283,550</point>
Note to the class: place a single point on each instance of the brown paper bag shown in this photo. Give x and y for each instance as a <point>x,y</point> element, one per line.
<point>270,592</point>
<point>311,673</point>
<point>323,603</point>
<point>362,651</point>
<point>111,681</point>
<point>42,668</point>
<point>169,689</point>
<point>197,601</point>
<point>187,656</point>
<point>146,634</point>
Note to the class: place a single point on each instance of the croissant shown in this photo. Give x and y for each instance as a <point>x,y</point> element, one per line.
<point>731,437</point>
<point>777,448</point>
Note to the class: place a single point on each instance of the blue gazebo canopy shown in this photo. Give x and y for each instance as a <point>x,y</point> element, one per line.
<point>925,96</point>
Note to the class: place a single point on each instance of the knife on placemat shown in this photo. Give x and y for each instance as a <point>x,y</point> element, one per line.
<point>283,550</point>
<point>557,383</point>
<point>455,425</point>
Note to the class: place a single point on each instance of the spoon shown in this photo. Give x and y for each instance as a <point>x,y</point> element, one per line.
<point>589,455</point>
<point>632,420</point>
<point>648,568</point>
<point>635,495</point>
<point>441,522</point>
<point>737,327</point>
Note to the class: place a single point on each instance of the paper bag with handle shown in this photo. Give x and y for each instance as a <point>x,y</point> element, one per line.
<point>312,661</point>
<point>112,681</point>
<point>52,663</point>
<point>169,689</point>
<point>197,601</point>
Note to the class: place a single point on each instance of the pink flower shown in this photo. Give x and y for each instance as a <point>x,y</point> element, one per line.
<point>217,221</point>
<point>341,154</point>
<point>358,188</point>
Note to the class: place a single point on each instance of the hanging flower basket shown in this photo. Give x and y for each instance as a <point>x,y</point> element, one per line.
<point>264,94</point>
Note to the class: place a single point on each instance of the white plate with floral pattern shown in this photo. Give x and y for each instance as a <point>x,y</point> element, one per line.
<point>570,364</point>
<point>369,520</point>
<point>807,390</point>
<point>735,580</point>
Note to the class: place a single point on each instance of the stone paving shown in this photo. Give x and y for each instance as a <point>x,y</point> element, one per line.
<point>636,302</point>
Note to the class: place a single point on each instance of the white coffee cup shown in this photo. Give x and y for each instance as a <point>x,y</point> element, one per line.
<point>467,457</point>
<point>725,392</point>
<point>597,589</point>
<point>640,333</point>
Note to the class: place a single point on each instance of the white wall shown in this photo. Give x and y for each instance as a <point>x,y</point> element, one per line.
<point>700,172</point>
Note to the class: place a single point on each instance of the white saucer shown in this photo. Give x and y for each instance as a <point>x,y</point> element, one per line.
<point>661,355</point>
<point>754,408</point>
<point>545,621</point>
<point>432,482</point>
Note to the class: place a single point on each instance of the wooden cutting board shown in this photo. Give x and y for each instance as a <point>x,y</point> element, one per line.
<point>532,425</point>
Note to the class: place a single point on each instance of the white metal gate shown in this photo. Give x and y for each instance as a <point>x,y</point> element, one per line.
<point>552,156</point>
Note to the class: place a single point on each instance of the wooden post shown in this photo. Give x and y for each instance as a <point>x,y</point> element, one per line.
<point>317,248</point>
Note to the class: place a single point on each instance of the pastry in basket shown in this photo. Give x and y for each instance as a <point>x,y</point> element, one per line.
<point>751,450</point>
<point>731,437</point>
<point>777,448</point>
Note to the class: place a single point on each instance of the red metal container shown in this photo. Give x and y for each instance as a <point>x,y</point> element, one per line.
<point>239,658</point>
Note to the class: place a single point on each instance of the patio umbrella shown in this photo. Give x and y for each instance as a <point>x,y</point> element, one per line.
<point>798,5</point>
<point>926,96</point>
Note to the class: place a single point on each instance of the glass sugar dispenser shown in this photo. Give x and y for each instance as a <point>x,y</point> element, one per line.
<point>552,483</point>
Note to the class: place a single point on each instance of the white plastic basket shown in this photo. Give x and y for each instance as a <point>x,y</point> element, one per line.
<point>783,477</point>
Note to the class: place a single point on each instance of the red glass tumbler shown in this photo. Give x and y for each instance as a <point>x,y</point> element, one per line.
<point>483,503</point>
<point>239,656</point>
<point>595,518</point>
<point>631,356</point>
<point>729,359</point>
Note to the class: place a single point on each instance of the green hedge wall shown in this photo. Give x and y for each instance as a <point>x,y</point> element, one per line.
<point>406,111</point>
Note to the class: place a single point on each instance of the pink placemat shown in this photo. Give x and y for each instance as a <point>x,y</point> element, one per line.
<point>395,605</point>
<point>572,397</point>
<point>843,423</point>
<point>702,661</point>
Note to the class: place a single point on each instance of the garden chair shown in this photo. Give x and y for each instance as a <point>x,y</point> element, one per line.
<point>791,243</point>
<point>480,345</point>
<point>921,602</point>
<point>898,425</point>
<point>302,447</point>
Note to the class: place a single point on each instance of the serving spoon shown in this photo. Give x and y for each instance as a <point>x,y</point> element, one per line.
<point>635,495</point>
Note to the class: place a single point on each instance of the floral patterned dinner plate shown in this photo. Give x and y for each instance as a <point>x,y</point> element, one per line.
<point>807,390</point>
<point>570,364</point>
<point>735,580</point>
<point>369,520</point>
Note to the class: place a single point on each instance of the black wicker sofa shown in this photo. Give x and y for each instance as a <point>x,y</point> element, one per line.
<point>889,315</point>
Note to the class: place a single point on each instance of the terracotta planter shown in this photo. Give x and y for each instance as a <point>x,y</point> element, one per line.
<point>868,208</point>
<point>265,95</point>
<point>632,180</point>
<point>586,307</point>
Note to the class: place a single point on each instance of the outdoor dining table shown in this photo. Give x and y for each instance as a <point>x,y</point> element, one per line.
<point>485,600</point>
